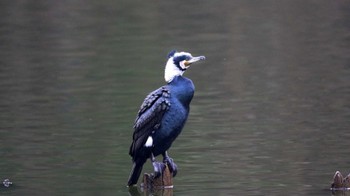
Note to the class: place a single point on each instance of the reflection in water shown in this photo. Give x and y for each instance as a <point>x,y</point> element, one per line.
<point>270,114</point>
<point>135,191</point>
<point>341,193</point>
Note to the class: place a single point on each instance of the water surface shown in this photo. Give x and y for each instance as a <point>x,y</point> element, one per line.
<point>270,114</point>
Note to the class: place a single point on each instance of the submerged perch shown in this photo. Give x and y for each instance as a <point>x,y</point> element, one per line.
<point>340,183</point>
<point>164,181</point>
<point>151,185</point>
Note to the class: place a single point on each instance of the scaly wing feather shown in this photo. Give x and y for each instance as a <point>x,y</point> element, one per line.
<point>149,117</point>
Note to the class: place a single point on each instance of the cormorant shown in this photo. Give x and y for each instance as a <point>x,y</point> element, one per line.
<point>162,116</point>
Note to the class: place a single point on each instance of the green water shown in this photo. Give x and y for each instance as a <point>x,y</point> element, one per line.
<point>270,114</point>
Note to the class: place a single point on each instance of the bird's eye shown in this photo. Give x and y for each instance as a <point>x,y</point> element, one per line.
<point>178,59</point>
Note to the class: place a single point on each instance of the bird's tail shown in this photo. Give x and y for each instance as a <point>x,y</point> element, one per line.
<point>135,173</point>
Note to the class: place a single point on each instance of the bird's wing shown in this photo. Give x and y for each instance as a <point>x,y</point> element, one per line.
<point>149,117</point>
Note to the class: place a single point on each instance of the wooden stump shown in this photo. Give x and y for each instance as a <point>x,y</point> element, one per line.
<point>337,180</point>
<point>164,181</point>
<point>340,184</point>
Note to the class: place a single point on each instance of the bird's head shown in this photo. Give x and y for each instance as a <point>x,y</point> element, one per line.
<point>178,63</point>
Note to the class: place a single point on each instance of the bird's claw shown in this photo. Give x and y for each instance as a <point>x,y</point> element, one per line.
<point>158,168</point>
<point>171,164</point>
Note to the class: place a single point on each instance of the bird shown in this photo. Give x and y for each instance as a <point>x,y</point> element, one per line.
<point>162,116</point>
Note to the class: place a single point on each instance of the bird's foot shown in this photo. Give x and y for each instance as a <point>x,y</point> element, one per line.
<point>158,168</point>
<point>171,164</point>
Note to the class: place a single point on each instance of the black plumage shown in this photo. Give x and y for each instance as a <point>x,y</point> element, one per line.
<point>161,118</point>
<point>149,118</point>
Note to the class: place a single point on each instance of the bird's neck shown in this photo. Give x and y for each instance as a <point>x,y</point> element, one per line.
<point>171,71</point>
<point>182,89</point>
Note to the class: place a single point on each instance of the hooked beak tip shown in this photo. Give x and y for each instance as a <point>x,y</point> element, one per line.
<point>194,59</point>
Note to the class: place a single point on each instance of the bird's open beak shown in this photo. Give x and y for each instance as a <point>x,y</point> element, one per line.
<point>193,60</point>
